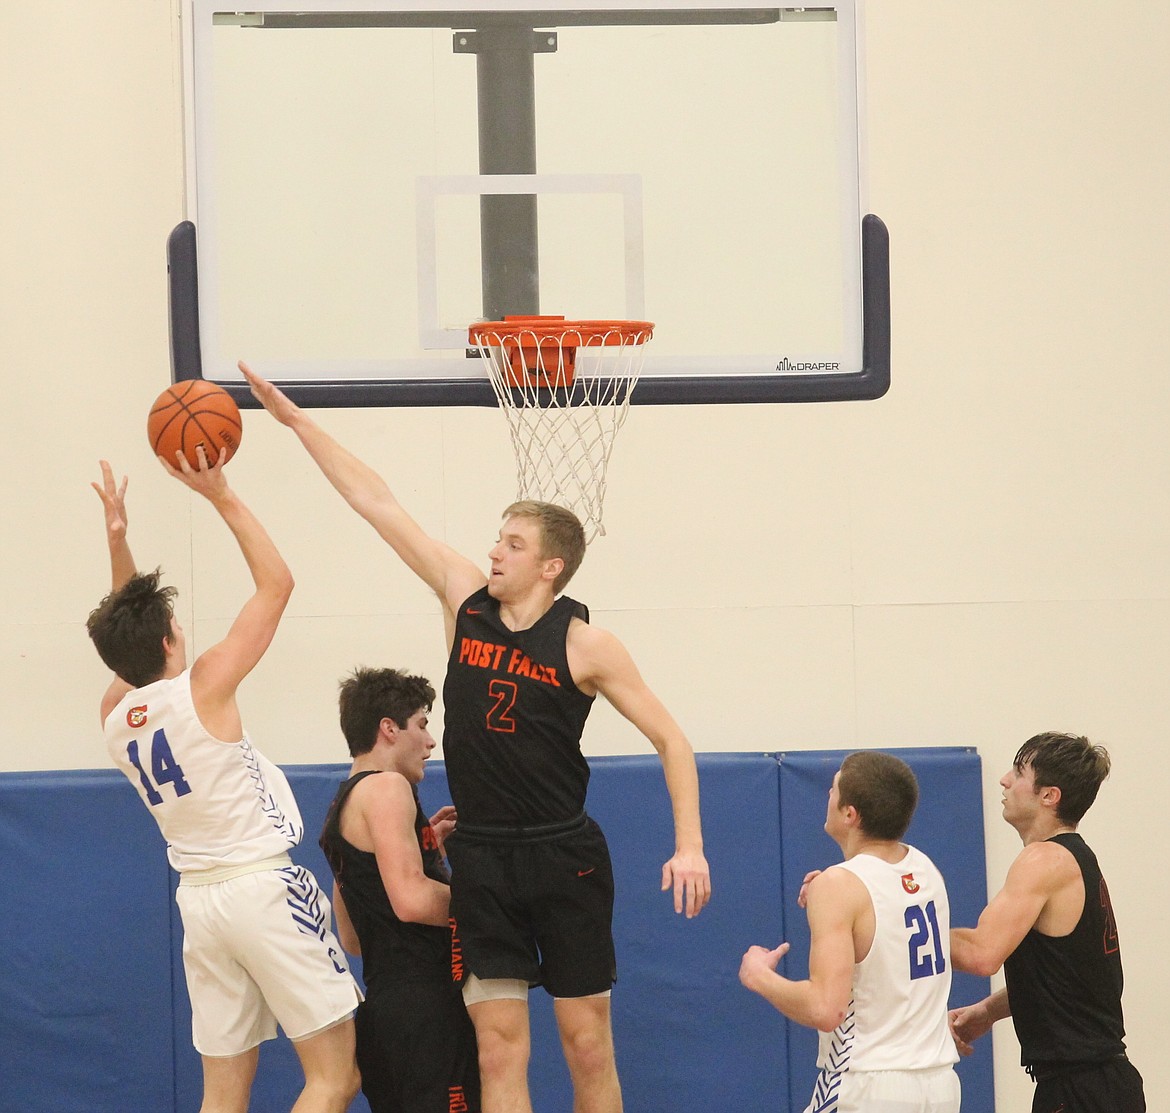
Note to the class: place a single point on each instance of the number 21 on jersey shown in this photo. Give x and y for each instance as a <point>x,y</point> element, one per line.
<point>925,944</point>
<point>163,767</point>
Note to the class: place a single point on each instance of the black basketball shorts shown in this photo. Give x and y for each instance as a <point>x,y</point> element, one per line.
<point>416,1049</point>
<point>1111,1087</point>
<point>534,906</point>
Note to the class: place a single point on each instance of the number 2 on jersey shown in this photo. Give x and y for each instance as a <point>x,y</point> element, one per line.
<point>499,717</point>
<point>162,765</point>
<point>926,938</point>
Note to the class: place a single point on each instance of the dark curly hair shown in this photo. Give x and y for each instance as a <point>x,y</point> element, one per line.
<point>370,695</point>
<point>129,625</point>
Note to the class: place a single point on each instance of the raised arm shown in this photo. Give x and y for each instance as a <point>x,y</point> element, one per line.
<point>451,576</point>
<point>822,999</point>
<point>113,496</point>
<point>217,673</point>
<point>1037,874</point>
<point>599,662</point>
<point>122,567</point>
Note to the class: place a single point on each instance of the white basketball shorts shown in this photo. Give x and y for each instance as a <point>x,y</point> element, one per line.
<point>258,950</point>
<point>886,1091</point>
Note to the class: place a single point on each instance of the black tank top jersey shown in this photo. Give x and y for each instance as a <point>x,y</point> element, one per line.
<point>513,718</point>
<point>392,951</point>
<point>1065,991</point>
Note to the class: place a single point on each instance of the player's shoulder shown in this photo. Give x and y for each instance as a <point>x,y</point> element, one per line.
<point>596,654</point>
<point>382,784</point>
<point>836,882</point>
<point>1044,865</point>
<point>586,636</point>
<point>1046,850</point>
<point>384,796</point>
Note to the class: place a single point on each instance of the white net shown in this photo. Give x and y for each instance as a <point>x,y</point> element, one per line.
<point>565,391</point>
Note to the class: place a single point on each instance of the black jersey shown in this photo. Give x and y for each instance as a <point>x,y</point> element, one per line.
<point>512,718</point>
<point>392,951</point>
<point>1065,991</point>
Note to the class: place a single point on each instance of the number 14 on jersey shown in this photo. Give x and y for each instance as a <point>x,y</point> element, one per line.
<point>163,767</point>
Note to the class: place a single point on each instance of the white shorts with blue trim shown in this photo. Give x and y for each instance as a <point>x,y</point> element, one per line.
<point>886,1091</point>
<point>258,951</point>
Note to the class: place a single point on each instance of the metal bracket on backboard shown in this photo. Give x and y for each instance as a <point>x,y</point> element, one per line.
<point>872,381</point>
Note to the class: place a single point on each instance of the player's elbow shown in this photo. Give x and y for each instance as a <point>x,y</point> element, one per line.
<point>282,591</point>
<point>410,909</point>
<point>828,1020</point>
<point>969,958</point>
<point>982,965</point>
<point>828,1015</point>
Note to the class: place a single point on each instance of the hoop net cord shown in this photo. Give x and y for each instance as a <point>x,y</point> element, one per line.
<point>564,414</point>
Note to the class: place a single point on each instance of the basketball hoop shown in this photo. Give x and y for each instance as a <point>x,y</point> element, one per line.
<point>564,387</point>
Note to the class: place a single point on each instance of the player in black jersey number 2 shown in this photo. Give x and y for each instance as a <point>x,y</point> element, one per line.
<point>531,884</point>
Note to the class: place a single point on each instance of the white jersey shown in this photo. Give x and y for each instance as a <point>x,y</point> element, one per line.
<point>897,1018</point>
<point>218,804</point>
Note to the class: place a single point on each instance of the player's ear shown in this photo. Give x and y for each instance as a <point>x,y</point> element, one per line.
<point>553,567</point>
<point>387,729</point>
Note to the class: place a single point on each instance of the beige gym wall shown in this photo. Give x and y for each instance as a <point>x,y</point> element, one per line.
<point>976,557</point>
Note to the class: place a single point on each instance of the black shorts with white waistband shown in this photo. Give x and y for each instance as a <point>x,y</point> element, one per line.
<point>536,904</point>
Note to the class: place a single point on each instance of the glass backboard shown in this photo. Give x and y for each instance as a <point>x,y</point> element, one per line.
<point>365,180</point>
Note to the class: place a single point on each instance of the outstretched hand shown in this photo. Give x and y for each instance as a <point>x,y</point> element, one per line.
<point>207,480</point>
<point>271,397</point>
<point>113,498</point>
<point>688,874</point>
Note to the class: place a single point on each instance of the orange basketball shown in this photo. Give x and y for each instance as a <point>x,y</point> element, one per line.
<point>191,413</point>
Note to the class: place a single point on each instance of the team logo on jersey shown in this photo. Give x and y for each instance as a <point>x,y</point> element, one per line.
<point>136,716</point>
<point>909,884</point>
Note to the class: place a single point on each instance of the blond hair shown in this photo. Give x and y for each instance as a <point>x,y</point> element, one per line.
<point>561,535</point>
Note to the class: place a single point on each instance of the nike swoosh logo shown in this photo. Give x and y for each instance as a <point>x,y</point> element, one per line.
<point>470,611</point>
<point>585,873</point>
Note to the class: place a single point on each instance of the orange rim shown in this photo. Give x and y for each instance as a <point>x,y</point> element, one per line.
<point>575,333</point>
<point>542,351</point>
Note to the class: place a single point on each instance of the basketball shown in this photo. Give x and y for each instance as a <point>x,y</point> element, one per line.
<point>192,413</point>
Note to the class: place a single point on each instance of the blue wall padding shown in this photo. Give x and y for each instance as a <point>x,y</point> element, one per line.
<point>94,1016</point>
<point>85,981</point>
<point>688,1037</point>
<point>947,827</point>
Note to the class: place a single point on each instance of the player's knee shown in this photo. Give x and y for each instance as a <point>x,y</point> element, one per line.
<point>588,1050</point>
<point>334,1089</point>
<point>502,1052</point>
